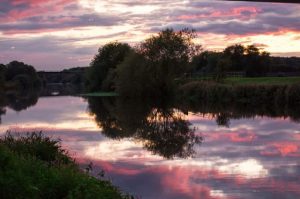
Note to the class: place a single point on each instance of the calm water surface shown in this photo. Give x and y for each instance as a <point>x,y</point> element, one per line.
<point>256,157</point>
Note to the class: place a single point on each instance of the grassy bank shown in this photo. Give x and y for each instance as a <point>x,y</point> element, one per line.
<point>100,94</point>
<point>236,81</point>
<point>251,94</point>
<point>35,166</point>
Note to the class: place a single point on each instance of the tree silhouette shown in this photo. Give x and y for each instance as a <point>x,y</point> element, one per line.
<point>102,68</point>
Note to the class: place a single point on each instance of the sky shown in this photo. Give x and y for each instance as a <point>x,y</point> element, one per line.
<point>56,34</point>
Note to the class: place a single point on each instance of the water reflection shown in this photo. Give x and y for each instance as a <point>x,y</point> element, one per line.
<point>18,100</point>
<point>248,156</point>
<point>161,128</point>
<point>224,113</point>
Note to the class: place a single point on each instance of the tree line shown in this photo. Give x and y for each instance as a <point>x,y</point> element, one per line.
<point>146,70</point>
<point>151,68</point>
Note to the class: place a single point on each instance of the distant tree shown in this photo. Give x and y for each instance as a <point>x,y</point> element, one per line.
<point>22,74</point>
<point>256,62</point>
<point>104,63</point>
<point>2,73</point>
<point>222,65</point>
<point>213,61</point>
<point>200,61</point>
<point>235,54</point>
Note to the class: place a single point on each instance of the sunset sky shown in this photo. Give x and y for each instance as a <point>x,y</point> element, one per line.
<point>57,34</point>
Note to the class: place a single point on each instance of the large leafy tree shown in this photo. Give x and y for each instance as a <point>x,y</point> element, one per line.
<point>102,68</point>
<point>134,77</point>
<point>170,51</point>
<point>156,63</point>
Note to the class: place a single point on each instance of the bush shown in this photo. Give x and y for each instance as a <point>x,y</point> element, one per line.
<point>34,166</point>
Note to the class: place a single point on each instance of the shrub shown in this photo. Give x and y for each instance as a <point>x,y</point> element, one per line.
<point>34,166</point>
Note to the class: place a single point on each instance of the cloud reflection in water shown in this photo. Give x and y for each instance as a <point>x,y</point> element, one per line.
<point>253,158</point>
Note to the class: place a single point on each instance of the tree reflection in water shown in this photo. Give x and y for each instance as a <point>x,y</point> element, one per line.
<point>224,112</point>
<point>161,128</point>
<point>18,100</point>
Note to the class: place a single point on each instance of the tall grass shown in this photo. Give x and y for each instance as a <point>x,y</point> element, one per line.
<point>242,101</point>
<point>34,166</point>
<point>213,92</point>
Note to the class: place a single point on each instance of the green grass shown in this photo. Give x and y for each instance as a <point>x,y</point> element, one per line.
<point>34,166</point>
<point>100,94</point>
<point>262,80</point>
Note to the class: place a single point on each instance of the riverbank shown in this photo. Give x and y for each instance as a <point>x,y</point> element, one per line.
<point>251,94</point>
<point>100,94</point>
<point>238,81</point>
<point>34,166</point>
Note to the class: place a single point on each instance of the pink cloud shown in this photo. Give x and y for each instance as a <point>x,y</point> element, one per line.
<point>35,8</point>
<point>234,12</point>
<point>283,149</point>
<point>245,136</point>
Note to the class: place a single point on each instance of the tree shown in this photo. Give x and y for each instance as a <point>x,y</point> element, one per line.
<point>2,73</point>
<point>256,62</point>
<point>200,61</point>
<point>167,56</point>
<point>104,63</point>
<point>235,54</point>
<point>22,74</point>
<point>134,77</point>
<point>222,66</point>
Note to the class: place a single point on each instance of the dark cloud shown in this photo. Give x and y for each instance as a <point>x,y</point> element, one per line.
<point>60,22</point>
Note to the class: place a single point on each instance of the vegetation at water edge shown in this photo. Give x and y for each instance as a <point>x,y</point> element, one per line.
<point>35,166</point>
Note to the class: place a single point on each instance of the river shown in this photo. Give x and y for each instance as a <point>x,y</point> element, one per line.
<point>166,152</point>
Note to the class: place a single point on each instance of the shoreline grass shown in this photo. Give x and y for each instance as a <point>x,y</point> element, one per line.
<point>100,94</point>
<point>34,166</point>
<point>235,81</point>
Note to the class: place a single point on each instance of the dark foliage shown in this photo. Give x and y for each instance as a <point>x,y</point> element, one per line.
<point>34,166</point>
<point>23,75</point>
<point>227,102</point>
<point>102,68</point>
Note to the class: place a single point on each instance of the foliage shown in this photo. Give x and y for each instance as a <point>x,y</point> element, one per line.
<point>157,62</point>
<point>135,77</point>
<point>2,73</point>
<point>270,100</point>
<point>169,52</point>
<point>256,62</point>
<point>248,59</point>
<point>36,167</point>
<point>235,54</point>
<point>235,81</point>
<point>23,75</point>
<point>36,145</point>
<point>102,68</point>
<point>200,61</point>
